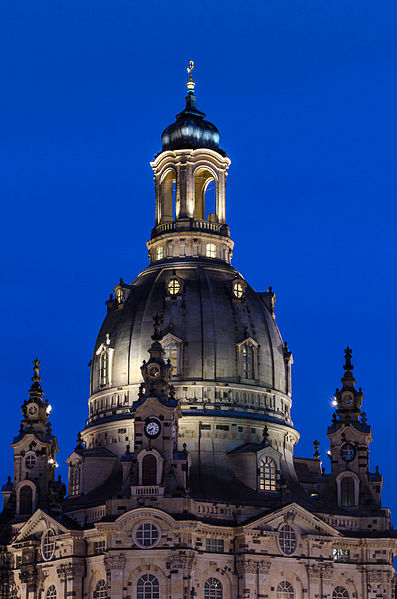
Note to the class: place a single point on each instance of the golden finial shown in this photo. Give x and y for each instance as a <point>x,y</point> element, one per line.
<point>190,83</point>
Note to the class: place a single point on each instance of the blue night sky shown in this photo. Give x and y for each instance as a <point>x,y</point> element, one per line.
<point>304,95</point>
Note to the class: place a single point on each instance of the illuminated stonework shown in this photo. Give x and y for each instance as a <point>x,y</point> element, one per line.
<point>183,482</point>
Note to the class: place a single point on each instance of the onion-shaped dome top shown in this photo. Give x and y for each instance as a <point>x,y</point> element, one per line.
<point>190,130</point>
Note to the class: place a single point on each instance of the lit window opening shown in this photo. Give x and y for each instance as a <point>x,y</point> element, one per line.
<point>160,253</point>
<point>174,287</point>
<point>210,251</point>
<point>267,474</point>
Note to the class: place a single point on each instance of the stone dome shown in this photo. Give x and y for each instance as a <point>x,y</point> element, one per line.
<point>209,322</point>
<point>191,130</point>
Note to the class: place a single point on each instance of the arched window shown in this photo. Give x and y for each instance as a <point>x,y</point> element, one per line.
<point>25,500</point>
<point>287,539</point>
<point>119,295</point>
<point>247,362</point>
<point>74,478</point>
<point>104,368</point>
<point>340,593</point>
<point>267,474</point>
<point>210,250</point>
<point>213,589</point>
<point>51,592</point>
<point>347,492</point>
<point>171,354</point>
<point>148,587</point>
<point>168,189</point>
<point>101,590</point>
<point>149,470</point>
<point>285,590</point>
<point>160,252</point>
<point>204,195</point>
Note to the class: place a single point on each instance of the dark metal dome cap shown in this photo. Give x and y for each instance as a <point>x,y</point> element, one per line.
<point>191,130</point>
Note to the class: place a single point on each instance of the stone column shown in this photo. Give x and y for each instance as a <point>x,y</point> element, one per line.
<point>326,580</point>
<point>247,572</point>
<point>61,571</point>
<point>114,566</point>
<point>262,582</point>
<point>314,580</point>
<point>74,574</point>
<point>28,577</point>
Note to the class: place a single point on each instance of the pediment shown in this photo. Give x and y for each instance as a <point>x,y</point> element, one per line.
<point>296,516</point>
<point>128,520</point>
<point>37,524</point>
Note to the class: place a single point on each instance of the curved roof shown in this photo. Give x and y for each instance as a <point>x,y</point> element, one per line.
<point>190,130</point>
<point>204,316</point>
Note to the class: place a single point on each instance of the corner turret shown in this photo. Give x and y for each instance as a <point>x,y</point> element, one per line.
<point>35,450</point>
<point>350,485</point>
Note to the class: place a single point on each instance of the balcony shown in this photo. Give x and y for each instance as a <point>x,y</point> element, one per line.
<point>205,226</point>
<point>147,491</point>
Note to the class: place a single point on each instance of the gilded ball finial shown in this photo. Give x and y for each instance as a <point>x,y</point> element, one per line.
<point>190,83</point>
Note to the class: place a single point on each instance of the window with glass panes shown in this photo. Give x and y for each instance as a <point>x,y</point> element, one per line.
<point>214,545</point>
<point>267,474</point>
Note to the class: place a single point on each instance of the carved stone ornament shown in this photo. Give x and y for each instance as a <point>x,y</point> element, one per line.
<point>182,560</point>
<point>378,576</point>
<point>289,517</point>
<point>114,562</point>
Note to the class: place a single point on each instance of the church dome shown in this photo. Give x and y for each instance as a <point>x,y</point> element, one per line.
<point>213,317</point>
<point>231,372</point>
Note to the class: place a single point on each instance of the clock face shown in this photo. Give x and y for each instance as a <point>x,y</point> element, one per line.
<point>348,452</point>
<point>154,371</point>
<point>32,409</point>
<point>152,429</point>
<point>347,399</point>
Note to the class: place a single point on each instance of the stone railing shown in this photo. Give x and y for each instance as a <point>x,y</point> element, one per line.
<point>149,490</point>
<point>191,225</point>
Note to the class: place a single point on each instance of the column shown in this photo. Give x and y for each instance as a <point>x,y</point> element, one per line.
<point>114,566</point>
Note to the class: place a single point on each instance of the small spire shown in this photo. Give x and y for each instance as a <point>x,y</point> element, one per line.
<point>79,441</point>
<point>348,356</point>
<point>316,453</point>
<point>190,83</point>
<point>36,369</point>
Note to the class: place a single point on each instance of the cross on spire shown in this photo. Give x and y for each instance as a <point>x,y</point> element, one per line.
<point>348,356</point>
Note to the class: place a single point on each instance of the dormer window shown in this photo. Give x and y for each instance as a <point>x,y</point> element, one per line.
<point>267,474</point>
<point>74,478</point>
<point>210,250</point>
<point>119,295</point>
<point>174,287</point>
<point>248,359</point>
<point>160,252</point>
<point>104,368</point>
<point>173,352</point>
<point>238,289</point>
<point>105,354</point>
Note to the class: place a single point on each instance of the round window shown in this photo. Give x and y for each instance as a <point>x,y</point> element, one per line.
<point>48,545</point>
<point>147,534</point>
<point>287,539</point>
<point>174,287</point>
<point>30,461</point>
<point>348,452</point>
<point>238,290</point>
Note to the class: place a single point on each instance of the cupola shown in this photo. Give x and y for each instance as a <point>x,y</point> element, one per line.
<point>190,186</point>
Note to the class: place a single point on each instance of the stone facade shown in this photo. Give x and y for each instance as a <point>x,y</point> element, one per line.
<point>183,483</point>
